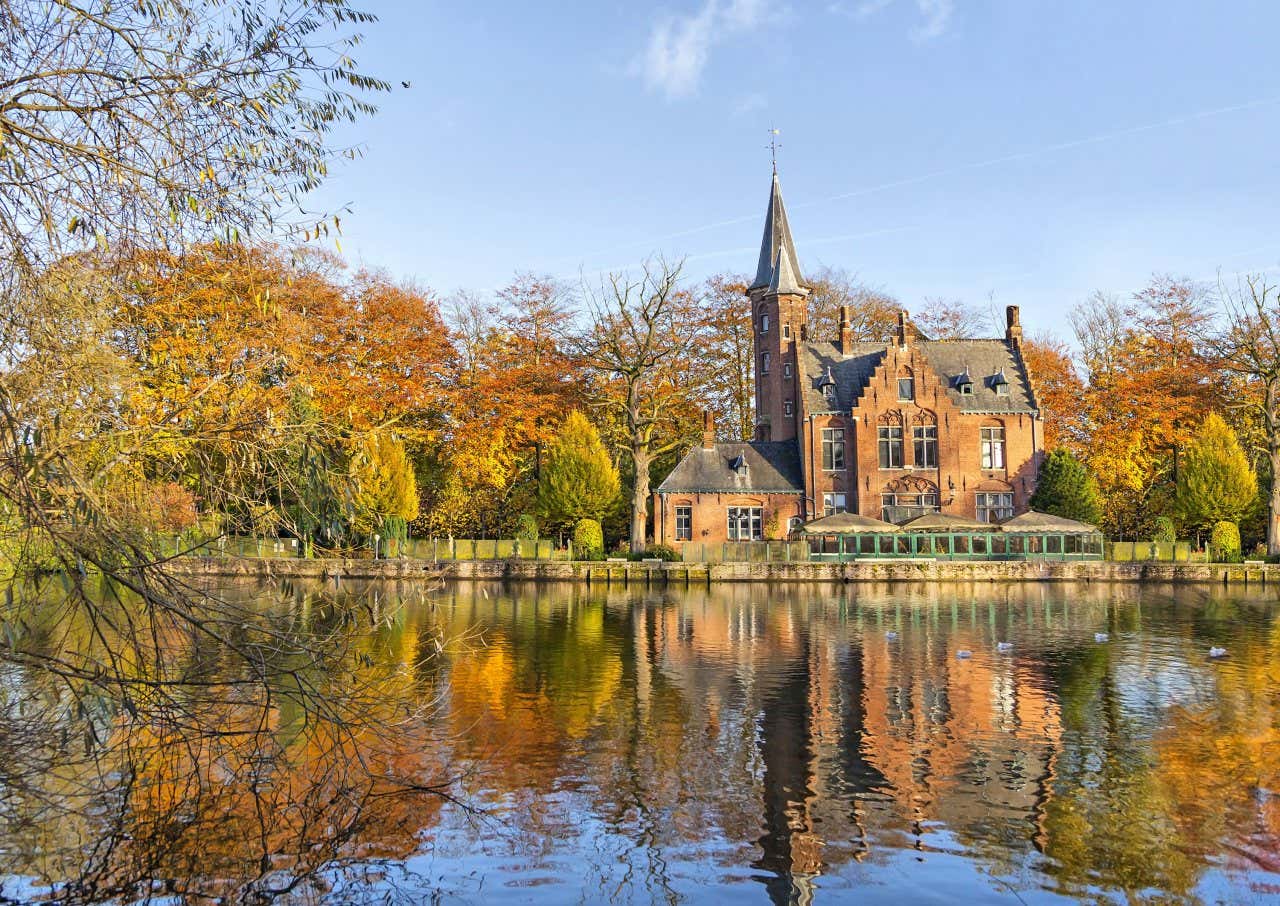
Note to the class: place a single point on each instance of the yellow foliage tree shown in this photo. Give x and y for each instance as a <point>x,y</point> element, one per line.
<point>384,489</point>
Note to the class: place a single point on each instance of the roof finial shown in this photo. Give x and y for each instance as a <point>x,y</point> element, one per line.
<point>773,147</point>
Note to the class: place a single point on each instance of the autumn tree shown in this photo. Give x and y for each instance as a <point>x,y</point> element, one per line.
<point>634,344</point>
<point>1249,346</point>
<point>384,488</point>
<point>949,319</point>
<point>1059,391</point>
<point>1215,481</point>
<point>873,312</point>
<point>578,480</point>
<point>725,354</point>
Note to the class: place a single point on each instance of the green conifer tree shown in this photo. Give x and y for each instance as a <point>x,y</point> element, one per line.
<point>1215,481</point>
<point>578,480</point>
<point>1065,488</point>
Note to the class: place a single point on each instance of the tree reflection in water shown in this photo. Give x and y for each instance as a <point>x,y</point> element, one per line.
<point>767,743</point>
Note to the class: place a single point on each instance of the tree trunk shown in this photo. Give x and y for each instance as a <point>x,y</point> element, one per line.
<point>640,459</point>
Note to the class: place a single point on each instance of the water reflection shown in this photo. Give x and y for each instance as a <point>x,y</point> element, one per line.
<point>778,745</point>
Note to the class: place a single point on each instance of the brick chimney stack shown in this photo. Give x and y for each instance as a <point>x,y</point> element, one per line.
<point>846,330</point>
<point>708,430</point>
<point>903,332</point>
<point>1013,332</point>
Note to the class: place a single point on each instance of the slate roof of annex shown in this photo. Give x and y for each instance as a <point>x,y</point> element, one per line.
<point>982,359</point>
<point>771,468</point>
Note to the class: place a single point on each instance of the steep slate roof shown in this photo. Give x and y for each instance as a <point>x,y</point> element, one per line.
<point>982,359</point>
<point>771,468</point>
<point>777,236</point>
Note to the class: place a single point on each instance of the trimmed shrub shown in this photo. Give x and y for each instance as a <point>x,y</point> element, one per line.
<point>1166,532</point>
<point>588,540</point>
<point>1224,543</point>
<point>527,527</point>
<point>659,552</point>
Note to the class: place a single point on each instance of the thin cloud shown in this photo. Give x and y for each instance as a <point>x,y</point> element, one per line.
<point>680,46</point>
<point>936,15</point>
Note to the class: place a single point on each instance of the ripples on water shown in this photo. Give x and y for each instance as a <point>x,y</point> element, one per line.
<point>776,744</point>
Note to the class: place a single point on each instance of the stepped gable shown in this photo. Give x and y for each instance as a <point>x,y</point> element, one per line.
<point>763,468</point>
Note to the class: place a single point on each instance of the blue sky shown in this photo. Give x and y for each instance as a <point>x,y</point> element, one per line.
<point>1026,151</point>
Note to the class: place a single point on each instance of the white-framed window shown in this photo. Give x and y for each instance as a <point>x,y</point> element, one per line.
<point>1002,389</point>
<point>764,323</point>
<point>684,523</point>
<point>746,523</point>
<point>832,449</point>
<point>896,506</point>
<point>992,437</point>
<point>833,503</point>
<point>786,369</point>
<point>890,445</point>
<point>994,507</point>
<point>786,408</point>
<point>764,363</point>
<point>924,442</point>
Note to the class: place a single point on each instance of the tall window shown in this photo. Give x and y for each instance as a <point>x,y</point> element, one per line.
<point>786,331</point>
<point>890,443</point>
<point>992,447</point>
<point>833,503</point>
<point>786,369</point>
<point>684,523</point>
<point>786,408</point>
<point>832,449</point>
<point>764,323</point>
<point>745,523</point>
<point>924,439</point>
<point>906,385</point>
<point>764,363</point>
<point>994,507</point>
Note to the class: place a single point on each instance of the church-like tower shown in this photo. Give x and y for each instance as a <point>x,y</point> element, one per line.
<point>779,319</point>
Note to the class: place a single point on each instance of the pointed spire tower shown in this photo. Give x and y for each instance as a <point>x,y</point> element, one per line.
<point>779,317</point>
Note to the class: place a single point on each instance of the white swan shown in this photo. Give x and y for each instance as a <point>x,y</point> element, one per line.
<point>1100,637</point>
<point>1004,646</point>
<point>964,653</point>
<point>1217,652</point>
<point>891,635</point>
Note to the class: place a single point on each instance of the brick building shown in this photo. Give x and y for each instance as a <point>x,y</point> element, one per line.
<point>887,430</point>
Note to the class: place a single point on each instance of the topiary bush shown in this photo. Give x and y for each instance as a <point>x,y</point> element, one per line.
<point>1224,543</point>
<point>527,527</point>
<point>1165,531</point>
<point>588,540</point>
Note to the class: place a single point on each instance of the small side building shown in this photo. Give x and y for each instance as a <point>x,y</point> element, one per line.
<point>736,491</point>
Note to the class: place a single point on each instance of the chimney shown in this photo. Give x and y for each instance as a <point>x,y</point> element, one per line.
<point>846,330</point>
<point>708,430</point>
<point>902,327</point>
<point>1013,333</point>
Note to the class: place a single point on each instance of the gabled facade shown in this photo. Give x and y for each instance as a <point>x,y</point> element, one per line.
<point>887,430</point>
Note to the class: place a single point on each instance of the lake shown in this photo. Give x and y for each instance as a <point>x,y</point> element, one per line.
<point>760,744</point>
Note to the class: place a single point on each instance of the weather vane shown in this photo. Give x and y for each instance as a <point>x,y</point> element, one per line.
<point>773,147</point>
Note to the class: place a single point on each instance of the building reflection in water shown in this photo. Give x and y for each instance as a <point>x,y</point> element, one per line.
<point>780,735</point>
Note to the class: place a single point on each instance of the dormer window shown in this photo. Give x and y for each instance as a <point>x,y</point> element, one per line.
<point>1002,389</point>
<point>963,383</point>
<point>1000,383</point>
<point>966,389</point>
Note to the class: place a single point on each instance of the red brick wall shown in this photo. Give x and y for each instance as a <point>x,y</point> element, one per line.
<point>775,389</point>
<point>710,515</point>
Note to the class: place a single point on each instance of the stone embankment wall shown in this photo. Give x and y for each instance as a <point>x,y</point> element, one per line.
<point>703,573</point>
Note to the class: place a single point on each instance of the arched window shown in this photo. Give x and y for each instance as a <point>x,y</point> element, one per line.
<point>908,497</point>
<point>924,440</point>
<point>889,440</point>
